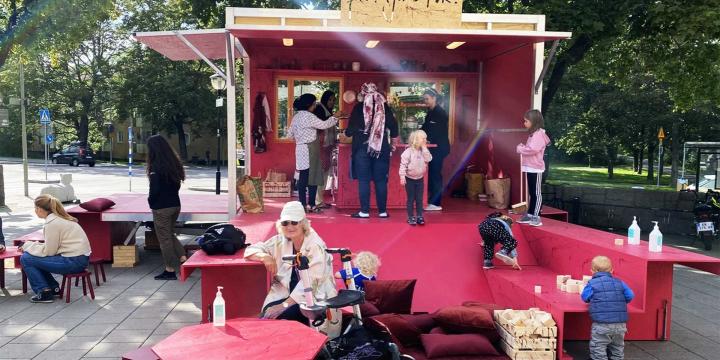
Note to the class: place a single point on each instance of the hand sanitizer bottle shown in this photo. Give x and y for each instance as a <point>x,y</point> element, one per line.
<point>656,239</point>
<point>219,309</point>
<point>634,233</point>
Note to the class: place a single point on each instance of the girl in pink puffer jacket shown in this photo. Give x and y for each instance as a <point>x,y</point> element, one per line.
<point>533,165</point>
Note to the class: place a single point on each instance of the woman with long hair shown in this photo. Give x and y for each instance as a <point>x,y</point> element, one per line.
<point>165,173</point>
<point>66,249</point>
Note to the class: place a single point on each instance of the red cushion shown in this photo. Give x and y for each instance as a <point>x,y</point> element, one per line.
<point>440,345</point>
<point>390,296</point>
<point>486,306</point>
<point>367,309</point>
<point>424,322</point>
<point>463,320</point>
<point>400,329</point>
<point>97,205</point>
<point>437,330</point>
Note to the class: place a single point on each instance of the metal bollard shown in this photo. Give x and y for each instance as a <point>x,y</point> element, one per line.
<point>575,210</point>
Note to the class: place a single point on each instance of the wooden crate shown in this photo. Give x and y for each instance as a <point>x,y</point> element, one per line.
<point>125,256</point>
<point>518,354</point>
<point>151,241</point>
<point>527,334</point>
<point>273,189</point>
<point>526,342</point>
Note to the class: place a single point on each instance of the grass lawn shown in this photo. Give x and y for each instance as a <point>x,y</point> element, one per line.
<point>624,177</point>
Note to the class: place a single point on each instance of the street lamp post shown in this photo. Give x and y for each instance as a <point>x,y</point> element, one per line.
<point>218,83</point>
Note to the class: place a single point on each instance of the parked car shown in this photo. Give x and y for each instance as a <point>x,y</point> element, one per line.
<point>75,154</point>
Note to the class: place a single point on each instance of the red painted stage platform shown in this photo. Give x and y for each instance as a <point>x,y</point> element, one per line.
<point>446,259</point>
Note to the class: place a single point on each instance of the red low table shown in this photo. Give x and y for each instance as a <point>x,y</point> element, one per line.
<point>11,252</point>
<point>243,339</point>
<point>245,283</point>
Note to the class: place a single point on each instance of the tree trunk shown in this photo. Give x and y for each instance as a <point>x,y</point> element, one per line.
<point>612,155</point>
<point>564,60</point>
<point>182,144</point>
<point>652,146</point>
<point>640,160</point>
<point>675,152</point>
<point>636,156</point>
<point>661,164</point>
<point>82,129</point>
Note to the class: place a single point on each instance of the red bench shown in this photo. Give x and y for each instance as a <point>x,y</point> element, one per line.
<point>559,248</point>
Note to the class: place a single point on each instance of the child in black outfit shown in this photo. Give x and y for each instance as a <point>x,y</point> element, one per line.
<point>497,229</point>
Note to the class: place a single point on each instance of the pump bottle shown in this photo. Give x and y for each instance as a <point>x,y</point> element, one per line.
<point>219,308</point>
<point>656,239</point>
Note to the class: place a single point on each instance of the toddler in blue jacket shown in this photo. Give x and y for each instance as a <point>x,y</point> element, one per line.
<point>608,298</point>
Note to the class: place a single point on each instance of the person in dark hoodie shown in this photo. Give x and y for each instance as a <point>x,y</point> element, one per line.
<point>165,172</point>
<point>436,127</point>
<point>533,165</point>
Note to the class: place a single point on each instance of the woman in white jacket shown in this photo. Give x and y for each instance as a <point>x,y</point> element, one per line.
<point>66,249</point>
<point>286,292</point>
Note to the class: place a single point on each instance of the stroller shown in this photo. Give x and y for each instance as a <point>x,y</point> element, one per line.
<point>354,342</point>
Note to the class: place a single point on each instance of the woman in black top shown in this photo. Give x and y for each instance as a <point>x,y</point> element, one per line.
<point>371,121</point>
<point>165,172</point>
<point>436,127</point>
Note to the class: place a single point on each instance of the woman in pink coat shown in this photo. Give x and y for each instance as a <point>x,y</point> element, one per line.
<point>533,165</point>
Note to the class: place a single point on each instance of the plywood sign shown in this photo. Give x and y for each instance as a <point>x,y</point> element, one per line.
<point>402,13</point>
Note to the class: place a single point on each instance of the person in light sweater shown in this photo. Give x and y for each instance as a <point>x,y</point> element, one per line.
<point>413,167</point>
<point>66,249</point>
<point>533,165</point>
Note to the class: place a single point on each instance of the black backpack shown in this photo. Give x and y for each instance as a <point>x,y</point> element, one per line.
<point>222,239</point>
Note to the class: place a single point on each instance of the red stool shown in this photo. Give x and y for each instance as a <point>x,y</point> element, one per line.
<point>99,269</point>
<point>67,284</point>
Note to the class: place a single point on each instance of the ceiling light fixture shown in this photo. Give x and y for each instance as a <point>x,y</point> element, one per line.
<point>454,45</point>
<point>288,42</point>
<point>371,43</point>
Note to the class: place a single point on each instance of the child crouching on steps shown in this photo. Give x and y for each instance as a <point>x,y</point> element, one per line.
<point>366,268</point>
<point>608,298</point>
<point>413,166</point>
<point>496,229</point>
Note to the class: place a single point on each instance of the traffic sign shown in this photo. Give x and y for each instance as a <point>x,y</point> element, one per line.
<point>661,134</point>
<point>45,116</point>
<point>49,138</point>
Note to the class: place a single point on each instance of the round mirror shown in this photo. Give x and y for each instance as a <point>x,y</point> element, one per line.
<point>349,96</point>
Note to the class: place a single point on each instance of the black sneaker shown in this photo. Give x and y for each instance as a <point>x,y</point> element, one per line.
<point>420,220</point>
<point>43,297</point>
<point>166,275</point>
<point>56,292</point>
<point>411,221</point>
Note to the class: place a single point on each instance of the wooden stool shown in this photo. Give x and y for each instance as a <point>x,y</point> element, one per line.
<point>67,284</point>
<point>98,268</point>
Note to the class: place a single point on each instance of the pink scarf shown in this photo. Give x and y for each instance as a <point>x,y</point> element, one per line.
<point>374,114</point>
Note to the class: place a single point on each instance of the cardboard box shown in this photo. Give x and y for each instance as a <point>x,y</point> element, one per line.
<point>125,256</point>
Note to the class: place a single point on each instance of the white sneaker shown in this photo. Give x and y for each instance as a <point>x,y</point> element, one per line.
<point>433,207</point>
<point>535,221</point>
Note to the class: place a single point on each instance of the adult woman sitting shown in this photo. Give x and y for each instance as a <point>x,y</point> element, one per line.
<point>66,249</point>
<point>304,129</point>
<point>370,122</point>
<point>286,292</point>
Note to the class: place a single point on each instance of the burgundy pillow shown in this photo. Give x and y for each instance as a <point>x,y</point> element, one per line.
<point>404,332</point>
<point>463,320</point>
<point>424,322</point>
<point>439,345</point>
<point>437,330</point>
<point>97,205</point>
<point>367,310</point>
<point>489,307</point>
<point>390,296</point>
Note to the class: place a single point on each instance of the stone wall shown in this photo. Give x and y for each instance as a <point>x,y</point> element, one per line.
<point>615,208</point>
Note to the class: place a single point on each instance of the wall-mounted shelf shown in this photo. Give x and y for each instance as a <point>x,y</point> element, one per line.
<point>418,74</point>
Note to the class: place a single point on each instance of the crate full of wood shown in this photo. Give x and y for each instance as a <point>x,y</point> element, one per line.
<point>527,334</point>
<point>125,256</point>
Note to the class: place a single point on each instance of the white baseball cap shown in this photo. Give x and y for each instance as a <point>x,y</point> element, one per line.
<point>292,211</point>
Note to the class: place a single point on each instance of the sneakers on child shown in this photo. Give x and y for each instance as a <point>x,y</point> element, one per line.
<point>433,207</point>
<point>488,264</point>
<point>420,220</point>
<point>411,221</point>
<point>45,296</point>
<point>505,257</point>
<point>525,219</point>
<point>535,221</point>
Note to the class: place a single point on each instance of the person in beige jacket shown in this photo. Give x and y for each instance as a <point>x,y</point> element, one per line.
<point>66,249</point>
<point>286,292</point>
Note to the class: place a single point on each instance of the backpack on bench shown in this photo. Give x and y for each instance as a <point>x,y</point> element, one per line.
<point>222,239</point>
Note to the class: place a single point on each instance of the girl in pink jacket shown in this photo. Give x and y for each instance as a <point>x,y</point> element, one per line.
<point>533,164</point>
<point>413,166</point>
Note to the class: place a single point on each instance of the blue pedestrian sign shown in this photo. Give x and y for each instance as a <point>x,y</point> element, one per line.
<point>49,138</point>
<point>45,117</point>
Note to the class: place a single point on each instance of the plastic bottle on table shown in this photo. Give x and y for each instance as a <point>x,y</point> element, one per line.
<point>634,233</point>
<point>219,309</point>
<point>656,239</point>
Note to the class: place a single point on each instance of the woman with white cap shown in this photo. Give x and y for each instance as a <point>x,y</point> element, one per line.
<point>286,292</point>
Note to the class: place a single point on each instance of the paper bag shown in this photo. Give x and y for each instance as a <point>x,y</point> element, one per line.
<point>498,192</point>
<point>475,185</point>
<point>249,190</point>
